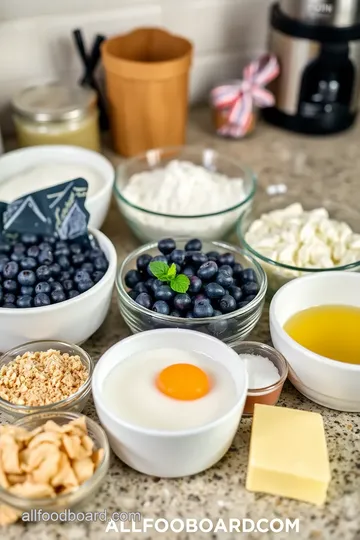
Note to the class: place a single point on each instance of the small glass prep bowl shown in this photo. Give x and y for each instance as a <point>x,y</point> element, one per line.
<point>83,492</point>
<point>148,225</point>
<point>278,197</point>
<point>75,402</point>
<point>229,328</point>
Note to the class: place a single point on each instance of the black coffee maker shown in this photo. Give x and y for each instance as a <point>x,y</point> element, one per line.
<point>318,47</point>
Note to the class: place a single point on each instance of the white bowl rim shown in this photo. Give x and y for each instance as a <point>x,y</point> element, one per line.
<point>97,391</point>
<point>112,260</point>
<point>285,289</point>
<point>70,150</point>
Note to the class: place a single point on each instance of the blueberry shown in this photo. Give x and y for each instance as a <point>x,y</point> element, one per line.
<point>33,251</point>
<point>89,267</point>
<point>236,293</point>
<point>144,300</point>
<point>9,298</point>
<point>56,286</point>
<point>214,290</point>
<point>64,262</point>
<point>49,239</point>
<point>60,244</point>
<point>193,245</point>
<point>45,246</point>
<point>97,276</point>
<point>198,259</point>
<point>190,315</point>
<point>164,293</point>
<point>175,313</point>
<point>46,257</point>
<point>29,239</point>
<point>73,293</point>
<point>149,284</point>
<point>26,290</point>
<point>226,258</point>
<point>156,284</point>
<point>84,285</point>
<point>188,271</point>
<point>218,328</point>
<point>250,298</point>
<point>133,294</point>
<point>132,277</point>
<point>242,304</point>
<point>25,301</point>
<point>55,269</point>
<point>9,306</point>
<point>213,255</point>
<point>207,270</point>
<point>10,285</point>
<point>216,313</point>
<point>27,277</point>
<point>161,307</point>
<point>43,273</point>
<point>43,287</point>
<point>3,261</point>
<point>4,247</point>
<point>82,275</point>
<point>195,284</point>
<point>198,297</point>
<point>226,268</point>
<point>28,263</point>
<point>246,275</point>
<point>166,245</point>
<point>64,252</point>
<point>75,248</point>
<point>237,269</point>
<point>17,256</point>
<point>224,279</point>
<point>58,296</point>
<point>78,259</point>
<point>203,308</point>
<point>250,288</point>
<point>182,302</point>
<point>51,279</point>
<point>10,270</point>
<point>100,263</point>
<point>94,253</point>
<point>178,256</point>
<point>19,248</point>
<point>141,287</point>
<point>227,304</point>
<point>143,261</point>
<point>41,299</point>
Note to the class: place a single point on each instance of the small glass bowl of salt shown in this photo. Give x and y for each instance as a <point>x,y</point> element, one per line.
<point>267,371</point>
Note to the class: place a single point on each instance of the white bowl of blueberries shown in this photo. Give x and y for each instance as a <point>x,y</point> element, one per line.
<point>212,287</point>
<point>51,288</point>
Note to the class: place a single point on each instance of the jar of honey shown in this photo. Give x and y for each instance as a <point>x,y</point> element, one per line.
<point>56,114</point>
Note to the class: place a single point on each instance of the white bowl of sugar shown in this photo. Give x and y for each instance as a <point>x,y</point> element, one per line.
<point>38,167</point>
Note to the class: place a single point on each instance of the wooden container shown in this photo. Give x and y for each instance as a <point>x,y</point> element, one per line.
<point>147,88</point>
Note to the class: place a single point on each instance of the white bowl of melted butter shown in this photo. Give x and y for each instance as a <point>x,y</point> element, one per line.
<point>170,400</point>
<point>34,168</point>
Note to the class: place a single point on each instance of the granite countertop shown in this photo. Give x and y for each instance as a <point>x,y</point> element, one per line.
<point>312,167</point>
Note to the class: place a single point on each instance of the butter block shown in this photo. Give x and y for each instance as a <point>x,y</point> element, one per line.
<point>288,454</point>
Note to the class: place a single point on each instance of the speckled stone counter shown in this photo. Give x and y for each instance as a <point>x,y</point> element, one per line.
<point>327,166</point>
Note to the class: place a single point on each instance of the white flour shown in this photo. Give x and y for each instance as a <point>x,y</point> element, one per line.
<point>182,189</point>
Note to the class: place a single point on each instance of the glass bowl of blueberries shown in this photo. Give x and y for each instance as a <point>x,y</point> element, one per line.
<point>211,287</point>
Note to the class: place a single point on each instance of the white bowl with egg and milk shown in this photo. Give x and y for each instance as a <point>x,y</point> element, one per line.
<point>170,400</point>
<point>38,167</point>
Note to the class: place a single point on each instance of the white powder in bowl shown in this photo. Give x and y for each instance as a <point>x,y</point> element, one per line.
<point>182,189</point>
<point>46,175</point>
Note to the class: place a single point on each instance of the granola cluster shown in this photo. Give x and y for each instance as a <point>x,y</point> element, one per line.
<point>41,378</point>
<point>45,462</point>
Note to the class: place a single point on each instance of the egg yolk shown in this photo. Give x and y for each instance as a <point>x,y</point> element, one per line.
<point>183,381</point>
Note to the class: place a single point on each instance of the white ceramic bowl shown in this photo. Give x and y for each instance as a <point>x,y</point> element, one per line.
<point>73,321</point>
<point>170,454</point>
<point>327,382</point>
<point>18,161</point>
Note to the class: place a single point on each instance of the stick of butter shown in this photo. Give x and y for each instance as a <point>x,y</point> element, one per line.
<point>288,454</point>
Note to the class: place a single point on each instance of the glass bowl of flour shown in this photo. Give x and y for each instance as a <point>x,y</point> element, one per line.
<point>183,191</point>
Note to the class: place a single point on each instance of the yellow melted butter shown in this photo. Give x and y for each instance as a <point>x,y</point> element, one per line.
<point>332,331</point>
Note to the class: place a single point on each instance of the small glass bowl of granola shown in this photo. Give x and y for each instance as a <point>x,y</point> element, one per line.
<point>53,462</point>
<point>44,376</point>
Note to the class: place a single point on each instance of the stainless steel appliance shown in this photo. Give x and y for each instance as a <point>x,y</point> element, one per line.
<point>318,46</point>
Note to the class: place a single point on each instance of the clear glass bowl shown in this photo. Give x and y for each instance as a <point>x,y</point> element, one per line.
<point>229,328</point>
<point>75,403</point>
<point>148,225</point>
<point>268,395</point>
<point>280,196</point>
<point>83,492</point>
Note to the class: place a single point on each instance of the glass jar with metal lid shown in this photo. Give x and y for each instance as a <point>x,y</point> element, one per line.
<point>56,114</point>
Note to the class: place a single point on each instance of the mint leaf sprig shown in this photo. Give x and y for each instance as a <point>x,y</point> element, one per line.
<point>163,272</point>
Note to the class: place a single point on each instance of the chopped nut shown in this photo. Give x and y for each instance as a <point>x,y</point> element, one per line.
<point>48,468</point>
<point>87,443</point>
<point>9,454</point>
<point>74,448</point>
<point>16,478</point>
<point>97,457</point>
<point>8,514</point>
<point>76,427</point>
<point>41,378</point>
<point>47,436</point>
<point>83,468</point>
<point>65,476</point>
<point>4,483</point>
<point>32,490</point>
<point>39,454</point>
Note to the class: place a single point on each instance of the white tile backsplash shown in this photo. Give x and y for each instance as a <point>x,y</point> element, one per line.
<point>37,44</point>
